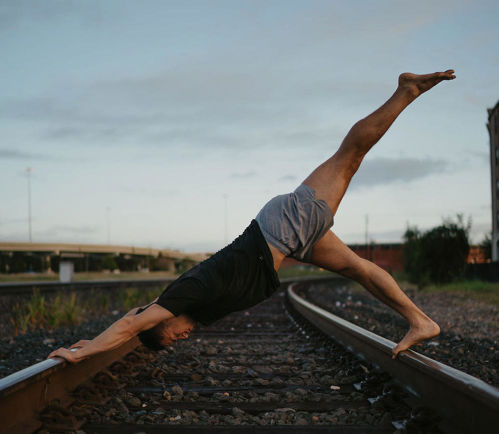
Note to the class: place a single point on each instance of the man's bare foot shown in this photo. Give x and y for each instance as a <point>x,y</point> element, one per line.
<point>417,84</point>
<point>426,330</point>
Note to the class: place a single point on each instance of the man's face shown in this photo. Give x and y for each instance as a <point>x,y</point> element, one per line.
<point>177,328</point>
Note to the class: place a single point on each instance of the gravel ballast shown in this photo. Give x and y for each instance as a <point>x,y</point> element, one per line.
<point>258,367</point>
<point>469,338</point>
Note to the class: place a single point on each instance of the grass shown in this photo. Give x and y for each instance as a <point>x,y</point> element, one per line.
<point>40,312</point>
<point>308,271</point>
<point>125,275</point>
<point>70,309</point>
<point>487,292</point>
<point>28,277</point>
<point>133,297</point>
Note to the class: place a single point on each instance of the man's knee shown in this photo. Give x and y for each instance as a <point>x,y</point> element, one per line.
<point>345,168</point>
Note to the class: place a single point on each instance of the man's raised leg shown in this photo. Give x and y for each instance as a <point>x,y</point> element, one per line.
<point>331,179</point>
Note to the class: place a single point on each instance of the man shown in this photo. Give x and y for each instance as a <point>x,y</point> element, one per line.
<point>297,224</point>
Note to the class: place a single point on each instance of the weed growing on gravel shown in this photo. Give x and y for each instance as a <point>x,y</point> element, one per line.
<point>98,302</point>
<point>129,298</point>
<point>133,297</point>
<point>65,311</point>
<point>71,309</point>
<point>39,313</point>
<point>19,319</point>
<point>37,310</point>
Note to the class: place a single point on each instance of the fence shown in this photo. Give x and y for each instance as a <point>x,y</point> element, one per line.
<point>488,271</point>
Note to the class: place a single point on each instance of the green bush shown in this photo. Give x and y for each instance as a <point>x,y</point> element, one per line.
<point>108,263</point>
<point>438,255</point>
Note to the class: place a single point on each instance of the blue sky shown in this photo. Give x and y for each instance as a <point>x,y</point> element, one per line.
<point>162,115</point>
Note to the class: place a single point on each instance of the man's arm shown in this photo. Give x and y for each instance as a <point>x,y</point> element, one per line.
<point>116,334</point>
<point>83,342</point>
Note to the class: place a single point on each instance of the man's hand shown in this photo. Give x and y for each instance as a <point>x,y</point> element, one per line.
<point>70,356</point>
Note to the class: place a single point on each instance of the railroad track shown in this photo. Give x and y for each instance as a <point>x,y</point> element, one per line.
<point>255,371</point>
<point>20,288</point>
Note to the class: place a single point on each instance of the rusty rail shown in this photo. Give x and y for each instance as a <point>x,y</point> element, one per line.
<point>466,404</point>
<point>25,393</point>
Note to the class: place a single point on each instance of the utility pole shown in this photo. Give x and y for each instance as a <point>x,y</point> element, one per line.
<point>28,171</point>
<point>108,221</point>
<point>226,219</point>
<point>367,236</point>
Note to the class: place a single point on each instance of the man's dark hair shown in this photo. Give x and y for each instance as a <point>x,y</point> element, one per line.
<point>152,338</point>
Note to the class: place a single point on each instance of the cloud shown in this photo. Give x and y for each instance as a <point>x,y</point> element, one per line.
<point>65,232</point>
<point>14,154</point>
<point>382,171</point>
<point>143,111</point>
<point>288,178</point>
<point>479,231</point>
<point>390,236</point>
<point>244,175</point>
<point>12,13</point>
<point>74,229</point>
<point>13,221</point>
<point>221,98</point>
<point>149,190</point>
<point>56,233</point>
<point>483,156</point>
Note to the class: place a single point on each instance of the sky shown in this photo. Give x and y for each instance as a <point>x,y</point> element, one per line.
<point>169,124</point>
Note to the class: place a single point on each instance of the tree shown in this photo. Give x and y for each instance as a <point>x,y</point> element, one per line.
<point>108,263</point>
<point>438,255</point>
<point>486,245</point>
<point>413,255</point>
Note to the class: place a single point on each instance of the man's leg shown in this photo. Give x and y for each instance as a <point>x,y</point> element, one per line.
<point>330,253</point>
<point>331,179</point>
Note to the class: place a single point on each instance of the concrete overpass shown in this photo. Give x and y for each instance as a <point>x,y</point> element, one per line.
<point>48,255</point>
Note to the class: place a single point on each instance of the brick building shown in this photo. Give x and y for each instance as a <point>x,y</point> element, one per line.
<point>390,256</point>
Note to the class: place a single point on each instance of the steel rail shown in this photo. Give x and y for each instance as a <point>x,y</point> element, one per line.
<point>19,288</point>
<point>25,393</point>
<point>465,403</point>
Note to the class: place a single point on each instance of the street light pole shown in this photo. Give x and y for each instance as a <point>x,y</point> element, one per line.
<point>108,209</point>
<point>226,219</point>
<point>367,236</point>
<point>28,171</point>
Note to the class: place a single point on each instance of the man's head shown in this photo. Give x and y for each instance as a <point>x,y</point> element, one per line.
<point>167,332</point>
